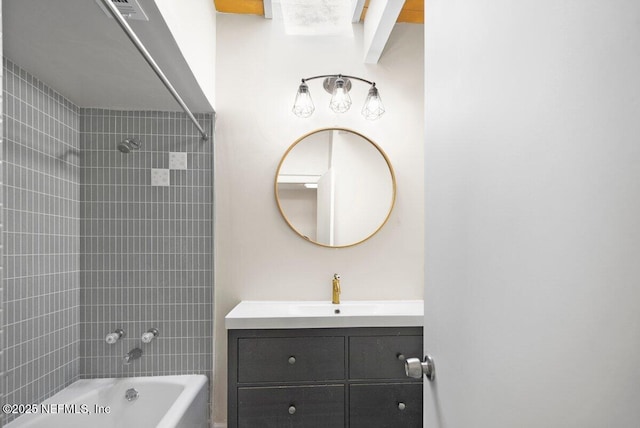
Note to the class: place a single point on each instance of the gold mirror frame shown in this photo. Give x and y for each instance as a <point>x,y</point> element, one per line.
<point>391,173</point>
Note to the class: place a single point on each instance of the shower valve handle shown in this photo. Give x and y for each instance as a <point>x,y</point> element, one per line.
<point>151,334</point>
<point>115,336</point>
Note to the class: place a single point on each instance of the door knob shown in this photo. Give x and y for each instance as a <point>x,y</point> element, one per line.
<point>415,368</point>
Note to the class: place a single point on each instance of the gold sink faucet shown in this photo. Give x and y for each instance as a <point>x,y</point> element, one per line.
<point>336,289</point>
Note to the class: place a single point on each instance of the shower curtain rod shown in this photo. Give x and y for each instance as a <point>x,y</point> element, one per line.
<point>147,56</point>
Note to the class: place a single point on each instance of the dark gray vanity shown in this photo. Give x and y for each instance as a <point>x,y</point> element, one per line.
<point>323,377</point>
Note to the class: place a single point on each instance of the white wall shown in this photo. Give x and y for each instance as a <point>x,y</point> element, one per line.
<point>533,213</point>
<point>257,256</point>
<point>193,26</point>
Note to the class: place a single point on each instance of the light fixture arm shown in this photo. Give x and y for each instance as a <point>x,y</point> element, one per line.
<point>324,76</point>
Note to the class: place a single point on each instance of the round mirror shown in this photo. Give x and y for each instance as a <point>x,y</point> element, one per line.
<point>335,187</point>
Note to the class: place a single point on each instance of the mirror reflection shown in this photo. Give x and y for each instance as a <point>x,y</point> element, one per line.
<point>335,187</point>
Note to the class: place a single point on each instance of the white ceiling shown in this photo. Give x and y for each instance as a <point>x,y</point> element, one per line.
<point>75,48</point>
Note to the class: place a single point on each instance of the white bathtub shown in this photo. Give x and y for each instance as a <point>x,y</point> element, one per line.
<point>163,402</point>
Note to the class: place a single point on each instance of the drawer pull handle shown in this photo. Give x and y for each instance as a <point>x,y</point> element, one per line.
<point>401,357</point>
<point>401,406</point>
<point>292,410</point>
<point>292,360</point>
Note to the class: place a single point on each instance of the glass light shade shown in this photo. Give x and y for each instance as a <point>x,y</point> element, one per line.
<point>340,99</point>
<point>303,105</point>
<point>373,107</point>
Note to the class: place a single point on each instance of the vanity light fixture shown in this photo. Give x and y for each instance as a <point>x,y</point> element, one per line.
<point>338,86</point>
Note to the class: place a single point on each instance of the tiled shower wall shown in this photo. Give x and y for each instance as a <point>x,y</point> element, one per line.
<point>146,249</point>
<point>41,207</point>
<point>144,258</point>
<point>2,344</point>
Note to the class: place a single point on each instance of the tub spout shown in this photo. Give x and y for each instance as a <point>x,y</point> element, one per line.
<point>134,354</point>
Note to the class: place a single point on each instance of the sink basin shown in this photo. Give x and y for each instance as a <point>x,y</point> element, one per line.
<point>324,314</point>
<point>322,309</point>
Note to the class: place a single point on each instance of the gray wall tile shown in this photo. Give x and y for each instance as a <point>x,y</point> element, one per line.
<point>41,204</point>
<point>2,226</point>
<point>146,252</point>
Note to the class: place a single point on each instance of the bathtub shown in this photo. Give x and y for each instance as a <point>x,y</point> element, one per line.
<point>162,402</point>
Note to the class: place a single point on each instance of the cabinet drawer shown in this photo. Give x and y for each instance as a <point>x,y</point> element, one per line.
<point>291,359</point>
<point>386,406</point>
<point>378,357</point>
<point>294,407</point>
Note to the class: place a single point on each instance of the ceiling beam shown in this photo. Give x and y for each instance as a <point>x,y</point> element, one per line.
<point>358,6</point>
<point>412,12</point>
<point>254,7</point>
<point>378,24</point>
<point>268,9</point>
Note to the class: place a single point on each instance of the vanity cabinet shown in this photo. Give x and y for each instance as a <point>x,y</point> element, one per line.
<point>330,377</point>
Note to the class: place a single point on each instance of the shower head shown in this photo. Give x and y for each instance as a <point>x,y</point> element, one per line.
<point>129,144</point>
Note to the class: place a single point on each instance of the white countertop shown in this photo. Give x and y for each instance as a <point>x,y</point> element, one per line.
<point>322,314</point>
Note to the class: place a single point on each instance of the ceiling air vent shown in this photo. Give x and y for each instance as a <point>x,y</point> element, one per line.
<point>130,9</point>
